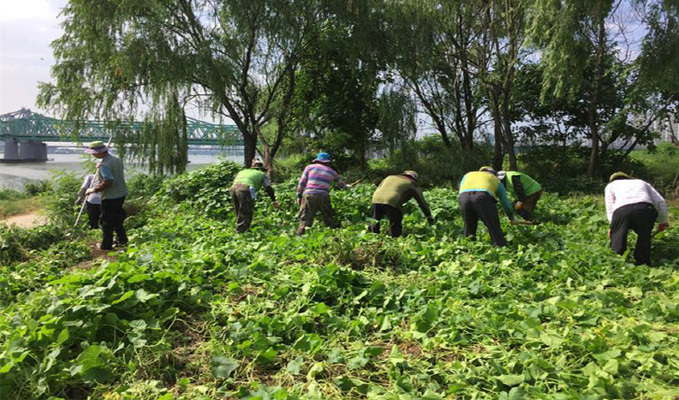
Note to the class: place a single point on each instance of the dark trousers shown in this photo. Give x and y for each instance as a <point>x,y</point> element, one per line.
<point>481,205</point>
<point>112,218</point>
<point>394,215</point>
<point>93,214</point>
<point>639,217</point>
<point>526,212</point>
<point>244,205</point>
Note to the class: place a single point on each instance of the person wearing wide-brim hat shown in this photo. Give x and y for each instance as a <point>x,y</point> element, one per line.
<point>636,205</point>
<point>479,191</point>
<point>313,192</point>
<point>390,196</point>
<point>244,191</point>
<point>111,185</point>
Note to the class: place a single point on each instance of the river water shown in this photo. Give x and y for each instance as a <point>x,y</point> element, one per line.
<point>15,176</point>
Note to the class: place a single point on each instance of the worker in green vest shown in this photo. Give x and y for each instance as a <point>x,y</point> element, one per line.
<point>244,191</point>
<point>479,191</point>
<point>526,191</point>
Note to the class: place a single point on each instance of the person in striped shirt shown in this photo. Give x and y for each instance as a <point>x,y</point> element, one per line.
<point>313,192</point>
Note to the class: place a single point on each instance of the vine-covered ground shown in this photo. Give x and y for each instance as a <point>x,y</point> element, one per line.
<point>193,310</point>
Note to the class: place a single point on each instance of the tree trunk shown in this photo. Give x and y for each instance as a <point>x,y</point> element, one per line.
<point>507,132</point>
<point>497,131</point>
<point>598,77</point>
<point>249,148</point>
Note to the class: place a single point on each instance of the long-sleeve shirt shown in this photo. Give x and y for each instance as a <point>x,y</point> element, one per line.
<point>317,178</point>
<point>396,190</point>
<point>520,184</point>
<point>89,182</point>
<point>623,192</point>
<point>485,182</point>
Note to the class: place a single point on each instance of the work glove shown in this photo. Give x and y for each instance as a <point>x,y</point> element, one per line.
<point>662,227</point>
<point>518,205</point>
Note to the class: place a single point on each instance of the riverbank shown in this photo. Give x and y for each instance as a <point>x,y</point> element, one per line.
<point>29,220</point>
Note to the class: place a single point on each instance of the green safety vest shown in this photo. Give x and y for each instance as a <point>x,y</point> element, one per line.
<point>530,185</point>
<point>251,177</point>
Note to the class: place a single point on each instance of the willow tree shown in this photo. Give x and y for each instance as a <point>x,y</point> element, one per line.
<point>397,121</point>
<point>575,41</point>
<point>438,48</point>
<point>584,61</point>
<point>151,58</point>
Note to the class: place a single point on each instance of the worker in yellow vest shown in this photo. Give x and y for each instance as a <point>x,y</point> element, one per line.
<point>244,191</point>
<point>479,191</point>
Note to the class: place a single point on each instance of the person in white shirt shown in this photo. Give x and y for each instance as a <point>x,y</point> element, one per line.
<point>634,204</point>
<point>92,201</point>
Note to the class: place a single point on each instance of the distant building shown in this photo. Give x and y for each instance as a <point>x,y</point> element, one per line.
<point>668,128</point>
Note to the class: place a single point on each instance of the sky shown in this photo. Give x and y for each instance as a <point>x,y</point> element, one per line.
<point>27,27</point>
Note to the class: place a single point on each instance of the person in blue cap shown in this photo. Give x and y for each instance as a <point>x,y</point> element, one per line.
<point>313,192</point>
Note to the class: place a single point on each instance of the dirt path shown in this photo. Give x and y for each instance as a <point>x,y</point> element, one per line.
<point>25,220</point>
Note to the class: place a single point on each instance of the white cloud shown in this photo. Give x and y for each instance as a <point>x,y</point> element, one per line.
<point>24,10</point>
<point>27,27</point>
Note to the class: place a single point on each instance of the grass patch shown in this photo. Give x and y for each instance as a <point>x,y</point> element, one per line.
<point>18,206</point>
<point>662,165</point>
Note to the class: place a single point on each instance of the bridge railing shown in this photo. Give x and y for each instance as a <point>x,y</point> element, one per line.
<point>26,125</point>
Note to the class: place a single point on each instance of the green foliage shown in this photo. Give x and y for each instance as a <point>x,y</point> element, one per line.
<point>436,163</point>
<point>662,166</point>
<point>10,194</point>
<point>59,200</point>
<point>193,308</point>
<point>16,244</point>
<point>33,188</point>
<point>289,167</point>
<point>563,169</point>
<point>205,189</point>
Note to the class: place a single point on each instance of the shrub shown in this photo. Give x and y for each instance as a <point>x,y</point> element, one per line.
<point>59,200</point>
<point>144,186</point>
<point>564,169</point>
<point>435,163</point>
<point>206,189</point>
<point>16,243</point>
<point>33,188</point>
<point>662,166</point>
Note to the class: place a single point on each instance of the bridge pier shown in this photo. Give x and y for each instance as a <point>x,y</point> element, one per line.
<point>11,149</point>
<point>29,151</point>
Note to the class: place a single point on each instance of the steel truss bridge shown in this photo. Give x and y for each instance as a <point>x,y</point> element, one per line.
<point>25,125</point>
<point>24,133</point>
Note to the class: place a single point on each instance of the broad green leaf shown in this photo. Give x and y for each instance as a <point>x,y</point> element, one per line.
<point>223,367</point>
<point>295,365</point>
<point>510,380</point>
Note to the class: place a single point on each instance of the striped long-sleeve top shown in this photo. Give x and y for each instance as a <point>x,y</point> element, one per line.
<point>317,178</point>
